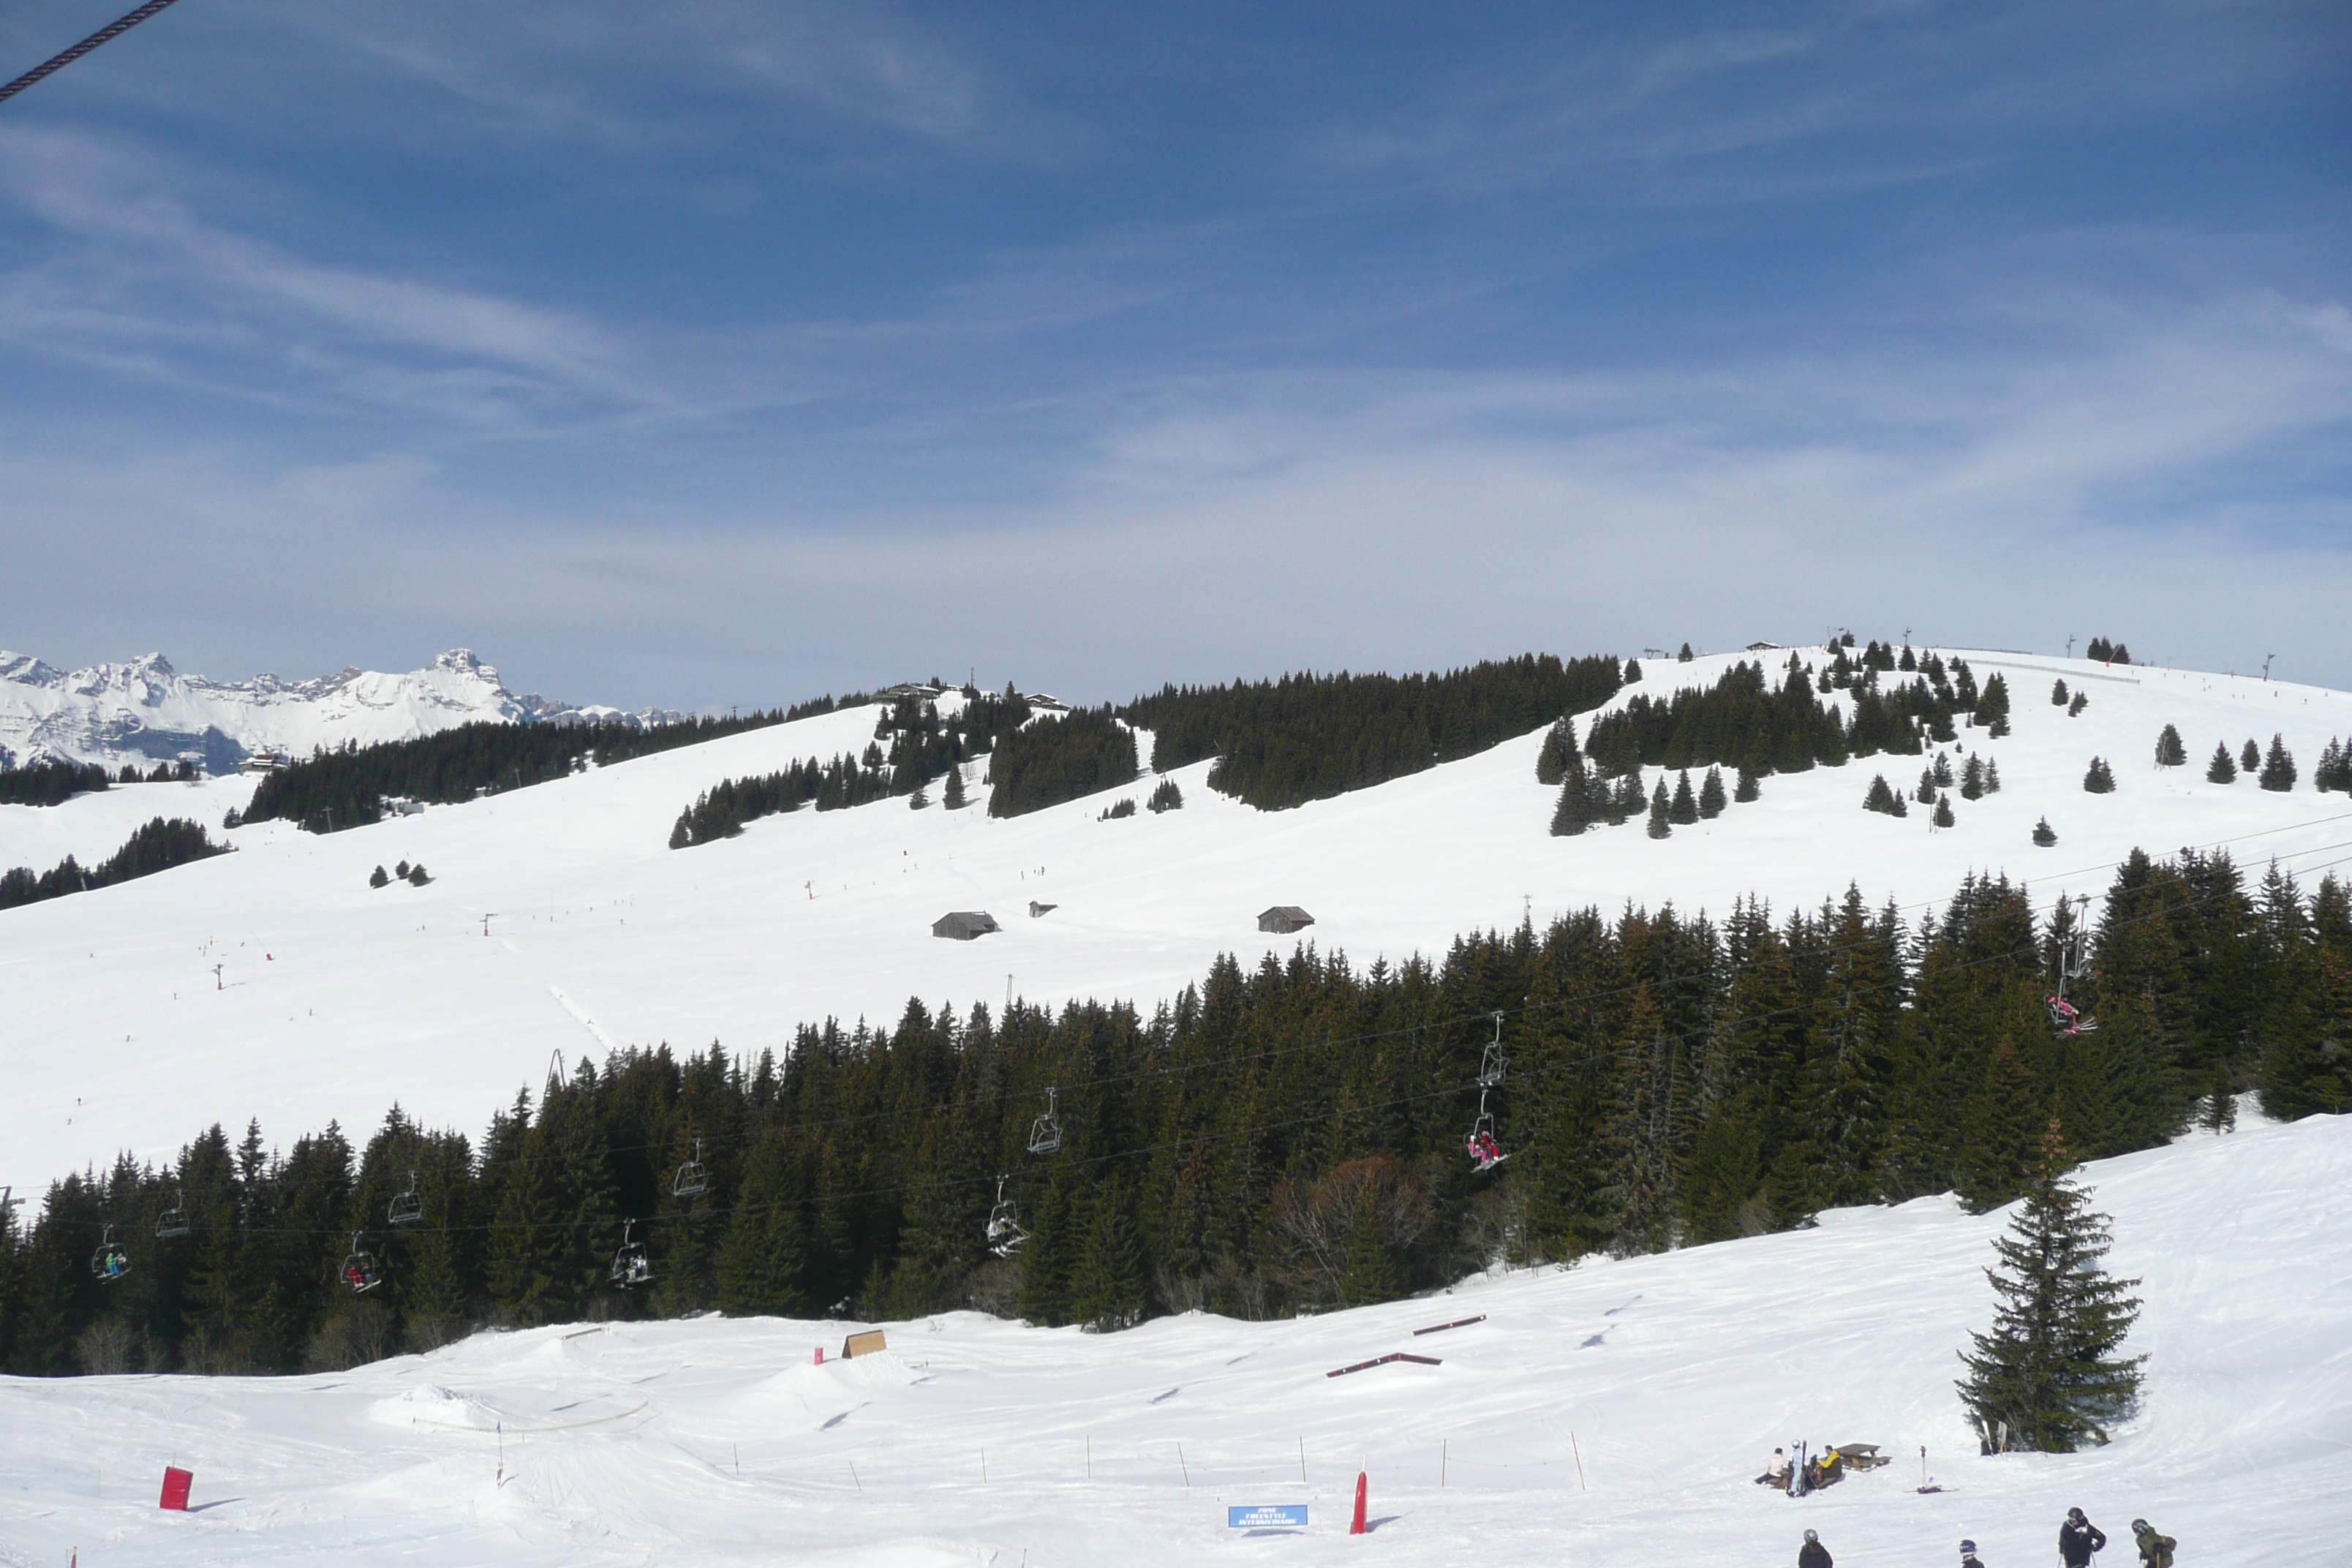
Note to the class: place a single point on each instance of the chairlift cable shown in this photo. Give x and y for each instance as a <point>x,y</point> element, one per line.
<point>57,63</point>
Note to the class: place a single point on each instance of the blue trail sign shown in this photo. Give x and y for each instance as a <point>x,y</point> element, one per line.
<point>1265,1516</point>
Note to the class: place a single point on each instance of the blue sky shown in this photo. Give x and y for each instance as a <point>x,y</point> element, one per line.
<point>723,352</point>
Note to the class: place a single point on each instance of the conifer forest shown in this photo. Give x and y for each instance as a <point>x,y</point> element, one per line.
<point>1279,1139</point>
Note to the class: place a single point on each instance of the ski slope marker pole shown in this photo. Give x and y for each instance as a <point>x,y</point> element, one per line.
<point>1302,1458</point>
<point>1355,1526</point>
<point>853,1476</point>
<point>1183,1467</point>
<point>1443,1444</point>
<point>1579,1462</point>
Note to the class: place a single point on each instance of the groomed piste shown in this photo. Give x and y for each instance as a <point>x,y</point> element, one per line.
<point>1608,1414</point>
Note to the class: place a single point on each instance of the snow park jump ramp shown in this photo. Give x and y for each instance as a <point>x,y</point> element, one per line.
<point>1607,1414</point>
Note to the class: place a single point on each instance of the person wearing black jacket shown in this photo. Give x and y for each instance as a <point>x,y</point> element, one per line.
<point>2078,1538</point>
<point>1812,1555</point>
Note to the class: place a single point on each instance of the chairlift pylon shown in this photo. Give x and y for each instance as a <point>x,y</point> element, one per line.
<point>1046,1132</point>
<point>110,1262</point>
<point>361,1271</point>
<point>693,1178</point>
<point>1004,1233</point>
<point>173,1221</point>
<point>407,1208</point>
<point>631,1266</point>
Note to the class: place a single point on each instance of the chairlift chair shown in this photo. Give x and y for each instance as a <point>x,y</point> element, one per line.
<point>407,1208</point>
<point>693,1178</point>
<point>361,1271</point>
<point>1045,1133</point>
<point>1480,1145</point>
<point>1004,1233</point>
<point>110,1262</point>
<point>1494,1063</point>
<point>631,1266</point>
<point>173,1221</point>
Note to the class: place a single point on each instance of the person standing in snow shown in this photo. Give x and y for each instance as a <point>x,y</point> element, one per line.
<point>2155,1551</point>
<point>2078,1538</point>
<point>1969,1555</point>
<point>1812,1555</point>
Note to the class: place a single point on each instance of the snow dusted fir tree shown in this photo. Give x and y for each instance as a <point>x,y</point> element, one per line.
<point>2047,1378</point>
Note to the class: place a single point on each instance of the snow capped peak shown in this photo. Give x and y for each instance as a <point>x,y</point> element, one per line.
<point>465,661</point>
<point>144,710</point>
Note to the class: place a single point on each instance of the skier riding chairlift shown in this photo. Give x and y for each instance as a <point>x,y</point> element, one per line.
<point>110,1262</point>
<point>630,1264</point>
<point>693,1178</point>
<point>407,1208</point>
<point>1046,1132</point>
<point>1004,1233</point>
<point>359,1270</point>
<point>2072,964</point>
<point>1481,1143</point>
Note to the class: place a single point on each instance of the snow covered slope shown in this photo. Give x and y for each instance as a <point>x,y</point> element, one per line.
<point>145,712</point>
<point>1610,1415</point>
<point>334,999</point>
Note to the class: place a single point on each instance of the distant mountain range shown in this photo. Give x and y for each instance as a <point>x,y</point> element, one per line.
<point>145,712</point>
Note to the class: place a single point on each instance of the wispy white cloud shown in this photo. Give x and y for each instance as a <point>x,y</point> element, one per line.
<point>133,278</point>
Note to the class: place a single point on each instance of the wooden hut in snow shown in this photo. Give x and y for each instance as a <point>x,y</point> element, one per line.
<point>1283,918</point>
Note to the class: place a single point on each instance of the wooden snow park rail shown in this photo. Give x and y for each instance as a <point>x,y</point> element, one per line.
<point>1456,1324</point>
<point>1384,1360</point>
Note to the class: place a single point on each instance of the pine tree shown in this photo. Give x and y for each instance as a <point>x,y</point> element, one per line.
<point>1992,708</point>
<point>1943,818</point>
<point>1683,656</point>
<point>1558,746</point>
<point>1973,778</point>
<point>1993,777</point>
<point>1881,797</point>
<point>2169,752</point>
<point>1710,794</point>
<point>1573,814</point>
<point>401,870</point>
<point>2099,651</point>
<point>2043,834</point>
<point>376,878</point>
<point>2100,779</point>
<point>2334,769</point>
<point>1942,770</point>
<point>2220,769</point>
<point>1106,1285</point>
<point>2250,759</point>
<point>921,799</point>
<point>1926,793</point>
<point>1685,809</point>
<point>1625,804</point>
<point>2058,694</point>
<point>1166,796</point>
<point>2278,773</point>
<point>1909,662</point>
<point>416,876</point>
<point>2047,1374</point>
<point>951,797</point>
<point>1661,821</point>
<point>1749,788</point>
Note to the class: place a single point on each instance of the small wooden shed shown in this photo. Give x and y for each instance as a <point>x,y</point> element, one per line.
<point>1283,918</point>
<point>964,925</point>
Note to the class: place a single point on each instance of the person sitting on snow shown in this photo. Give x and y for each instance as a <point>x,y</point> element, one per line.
<point>1776,1470</point>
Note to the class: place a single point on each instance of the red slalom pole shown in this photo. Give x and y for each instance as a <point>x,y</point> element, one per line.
<point>1357,1528</point>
